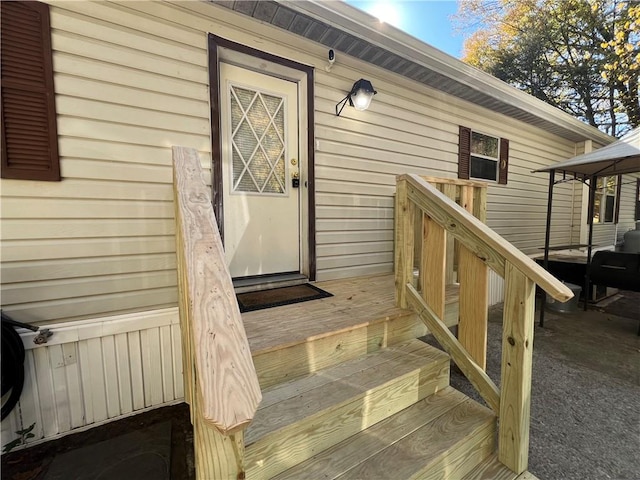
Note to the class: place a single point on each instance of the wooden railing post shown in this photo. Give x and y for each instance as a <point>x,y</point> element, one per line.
<point>450,191</point>
<point>474,291</point>
<point>433,262</point>
<point>473,305</point>
<point>517,359</point>
<point>404,242</point>
<point>221,384</point>
<point>479,248</point>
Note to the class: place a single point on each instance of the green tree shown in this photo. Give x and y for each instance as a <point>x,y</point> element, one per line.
<point>581,56</point>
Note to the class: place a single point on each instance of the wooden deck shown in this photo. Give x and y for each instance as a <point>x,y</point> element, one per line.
<point>356,302</point>
<point>294,340</point>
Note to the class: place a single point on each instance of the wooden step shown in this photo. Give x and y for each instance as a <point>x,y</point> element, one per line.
<point>292,341</point>
<point>302,418</point>
<point>492,469</point>
<point>443,436</point>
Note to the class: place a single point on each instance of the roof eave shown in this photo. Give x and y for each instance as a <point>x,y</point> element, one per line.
<point>367,28</point>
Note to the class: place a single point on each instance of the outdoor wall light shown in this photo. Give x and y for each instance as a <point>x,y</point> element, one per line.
<point>359,97</point>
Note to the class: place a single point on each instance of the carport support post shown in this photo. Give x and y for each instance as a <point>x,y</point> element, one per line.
<point>587,280</point>
<point>547,237</point>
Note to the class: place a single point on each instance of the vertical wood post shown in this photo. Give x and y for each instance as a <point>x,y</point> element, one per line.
<point>474,289</point>
<point>218,456</point>
<point>480,203</point>
<point>433,262</point>
<point>517,355</point>
<point>450,191</point>
<point>404,238</point>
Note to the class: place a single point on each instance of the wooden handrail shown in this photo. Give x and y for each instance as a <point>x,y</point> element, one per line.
<point>223,387</point>
<point>479,247</point>
<point>486,244</point>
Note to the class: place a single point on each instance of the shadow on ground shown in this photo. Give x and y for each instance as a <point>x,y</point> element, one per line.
<point>46,461</point>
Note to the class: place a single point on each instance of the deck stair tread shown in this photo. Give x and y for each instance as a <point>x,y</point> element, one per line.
<point>355,303</point>
<point>446,429</point>
<point>298,419</point>
<point>492,469</point>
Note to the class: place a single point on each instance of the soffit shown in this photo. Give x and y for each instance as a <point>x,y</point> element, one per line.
<point>349,31</point>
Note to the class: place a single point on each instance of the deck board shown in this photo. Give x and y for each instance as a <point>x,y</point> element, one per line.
<point>357,302</point>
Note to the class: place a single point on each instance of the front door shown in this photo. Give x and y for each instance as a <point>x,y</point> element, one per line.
<point>260,153</point>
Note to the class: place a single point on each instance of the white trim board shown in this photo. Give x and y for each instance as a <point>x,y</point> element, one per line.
<point>100,327</point>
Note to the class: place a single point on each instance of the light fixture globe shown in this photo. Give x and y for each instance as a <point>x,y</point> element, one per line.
<point>359,97</point>
<point>362,93</point>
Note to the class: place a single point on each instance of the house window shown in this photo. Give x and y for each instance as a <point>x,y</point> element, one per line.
<point>606,200</point>
<point>482,156</point>
<point>29,134</point>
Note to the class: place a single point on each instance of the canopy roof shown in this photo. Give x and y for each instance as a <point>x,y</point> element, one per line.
<point>622,156</point>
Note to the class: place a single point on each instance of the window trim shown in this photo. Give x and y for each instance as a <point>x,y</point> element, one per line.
<point>464,156</point>
<point>603,205</point>
<point>33,86</point>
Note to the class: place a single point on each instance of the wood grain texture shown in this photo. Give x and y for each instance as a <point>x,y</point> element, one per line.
<point>356,302</point>
<point>517,362</point>
<point>474,296</point>
<point>215,453</point>
<point>474,184</point>
<point>491,469</point>
<point>294,340</point>
<point>294,388</point>
<point>226,375</point>
<point>404,241</point>
<point>450,190</point>
<point>302,424</point>
<point>480,204</point>
<point>527,476</point>
<point>433,263</point>
<point>453,443</point>
<point>480,380</point>
<point>343,456</point>
<point>478,238</point>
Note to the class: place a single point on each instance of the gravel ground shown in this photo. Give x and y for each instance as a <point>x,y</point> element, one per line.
<point>585,399</point>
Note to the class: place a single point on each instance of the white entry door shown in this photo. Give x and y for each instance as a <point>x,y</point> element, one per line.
<point>259,128</point>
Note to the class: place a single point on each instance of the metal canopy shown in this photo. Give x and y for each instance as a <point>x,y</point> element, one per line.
<point>622,156</point>
<point>617,158</point>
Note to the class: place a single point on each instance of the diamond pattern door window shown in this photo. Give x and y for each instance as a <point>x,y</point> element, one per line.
<point>257,141</point>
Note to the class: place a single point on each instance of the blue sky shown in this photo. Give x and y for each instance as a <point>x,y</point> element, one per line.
<point>428,20</point>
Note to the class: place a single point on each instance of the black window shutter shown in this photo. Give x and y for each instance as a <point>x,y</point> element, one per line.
<point>464,152</point>
<point>616,215</point>
<point>503,166</point>
<point>29,134</point>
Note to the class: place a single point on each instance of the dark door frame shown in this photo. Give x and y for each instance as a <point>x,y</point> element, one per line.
<point>215,43</point>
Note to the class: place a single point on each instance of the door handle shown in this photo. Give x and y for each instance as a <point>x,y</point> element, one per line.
<point>295,180</point>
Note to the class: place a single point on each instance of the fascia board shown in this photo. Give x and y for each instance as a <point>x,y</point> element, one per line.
<point>365,27</point>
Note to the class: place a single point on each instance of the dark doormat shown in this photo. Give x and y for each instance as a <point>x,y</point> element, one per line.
<point>276,297</point>
<point>142,454</point>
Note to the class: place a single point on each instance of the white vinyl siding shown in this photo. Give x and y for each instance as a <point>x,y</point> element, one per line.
<point>102,240</point>
<point>626,220</point>
<point>132,80</point>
